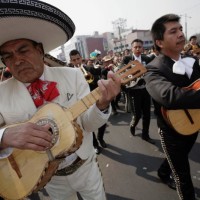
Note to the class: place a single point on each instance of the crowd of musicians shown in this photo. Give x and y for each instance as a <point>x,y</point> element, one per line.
<point>137,100</point>
<point>52,127</point>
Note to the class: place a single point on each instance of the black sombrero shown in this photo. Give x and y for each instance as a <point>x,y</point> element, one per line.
<point>35,20</point>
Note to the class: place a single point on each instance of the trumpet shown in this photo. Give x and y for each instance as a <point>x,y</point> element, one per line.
<point>88,76</point>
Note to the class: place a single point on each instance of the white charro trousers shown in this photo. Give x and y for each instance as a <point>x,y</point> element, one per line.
<point>87,180</point>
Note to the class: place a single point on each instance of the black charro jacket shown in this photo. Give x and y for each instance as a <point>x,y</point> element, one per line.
<point>144,58</point>
<point>167,88</point>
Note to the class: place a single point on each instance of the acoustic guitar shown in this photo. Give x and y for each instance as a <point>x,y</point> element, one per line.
<point>26,171</point>
<point>186,121</point>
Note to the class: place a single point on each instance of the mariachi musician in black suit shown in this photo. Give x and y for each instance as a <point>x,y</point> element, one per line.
<point>137,95</point>
<point>166,79</point>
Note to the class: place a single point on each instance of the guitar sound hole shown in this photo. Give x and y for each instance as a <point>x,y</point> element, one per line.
<point>53,128</point>
<point>50,130</point>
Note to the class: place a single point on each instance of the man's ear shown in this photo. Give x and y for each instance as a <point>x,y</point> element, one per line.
<point>159,43</point>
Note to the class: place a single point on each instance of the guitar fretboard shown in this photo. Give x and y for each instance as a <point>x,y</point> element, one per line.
<point>83,104</point>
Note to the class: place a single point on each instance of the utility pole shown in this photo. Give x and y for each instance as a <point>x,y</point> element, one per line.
<point>119,26</point>
<point>186,17</point>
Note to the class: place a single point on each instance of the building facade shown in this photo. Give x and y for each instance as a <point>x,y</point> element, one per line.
<point>86,44</point>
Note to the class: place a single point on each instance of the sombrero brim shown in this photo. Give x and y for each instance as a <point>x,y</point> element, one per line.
<point>34,20</point>
<point>107,60</point>
<point>52,61</point>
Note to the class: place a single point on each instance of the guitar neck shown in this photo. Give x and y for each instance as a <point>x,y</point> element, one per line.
<point>82,105</point>
<point>134,68</point>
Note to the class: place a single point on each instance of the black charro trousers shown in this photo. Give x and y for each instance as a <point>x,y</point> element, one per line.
<point>140,104</point>
<point>177,148</point>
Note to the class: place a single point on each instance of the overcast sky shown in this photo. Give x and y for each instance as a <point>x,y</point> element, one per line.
<point>91,15</point>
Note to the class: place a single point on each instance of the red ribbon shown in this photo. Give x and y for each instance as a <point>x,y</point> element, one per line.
<point>43,90</point>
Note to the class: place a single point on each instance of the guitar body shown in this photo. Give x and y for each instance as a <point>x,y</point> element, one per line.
<point>32,164</point>
<point>185,122</point>
<point>178,120</point>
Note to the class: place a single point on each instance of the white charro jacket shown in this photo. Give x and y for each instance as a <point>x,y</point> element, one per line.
<point>16,104</point>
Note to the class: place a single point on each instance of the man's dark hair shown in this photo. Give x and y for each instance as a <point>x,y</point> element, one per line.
<point>137,40</point>
<point>127,50</point>
<point>35,44</point>
<point>7,74</point>
<point>158,27</point>
<point>74,52</point>
<point>193,37</point>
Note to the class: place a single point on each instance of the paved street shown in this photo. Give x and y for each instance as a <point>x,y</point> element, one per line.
<point>129,164</point>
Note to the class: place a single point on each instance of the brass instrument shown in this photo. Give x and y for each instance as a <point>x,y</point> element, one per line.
<point>98,64</point>
<point>88,76</point>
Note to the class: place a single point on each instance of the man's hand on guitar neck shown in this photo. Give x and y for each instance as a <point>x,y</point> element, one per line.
<point>27,136</point>
<point>109,89</point>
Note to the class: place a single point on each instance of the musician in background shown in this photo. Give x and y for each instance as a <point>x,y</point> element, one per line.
<point>137,95</point>
<point>94,68</point>
<point>192,48</point>
<point>127,52</point>
<point>33,84</point>
<point>166,79</point>
<point>154,53</point>
<point>98,57</point>
<point>110,53</point>
<point>117,60</point>
<point>108,65</point>
<point>78,62</point>
<point>76,58</point>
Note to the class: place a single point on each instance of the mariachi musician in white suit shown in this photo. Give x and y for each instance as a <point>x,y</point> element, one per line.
<point>22,50</point>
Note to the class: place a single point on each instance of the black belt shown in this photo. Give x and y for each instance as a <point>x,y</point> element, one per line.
<point>71,168</point>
